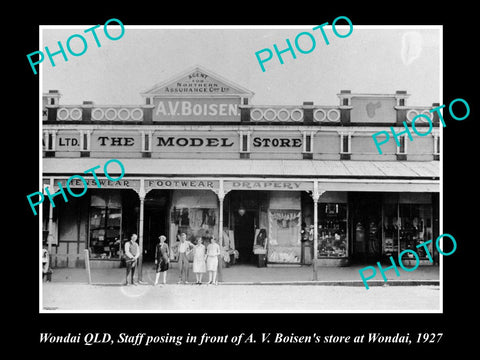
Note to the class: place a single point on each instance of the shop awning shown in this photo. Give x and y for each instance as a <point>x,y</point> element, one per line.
<point>312,169</point>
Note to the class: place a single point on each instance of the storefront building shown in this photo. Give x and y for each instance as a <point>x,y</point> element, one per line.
<point>295,185</point>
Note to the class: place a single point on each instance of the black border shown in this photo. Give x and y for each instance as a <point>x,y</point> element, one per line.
<point>460,160</point>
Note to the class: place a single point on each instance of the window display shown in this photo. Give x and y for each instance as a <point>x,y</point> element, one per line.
<point>390,230</point>
<point>415,228</point>
<point>194,223</point>
<point>284,236</point>
<point>332,230</point>
<point>405,226</point>
<point>195,213</point>
<point>105,230</point>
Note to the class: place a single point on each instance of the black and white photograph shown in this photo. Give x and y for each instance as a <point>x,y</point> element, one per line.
<point>198,176</point>
<point>230,186</point>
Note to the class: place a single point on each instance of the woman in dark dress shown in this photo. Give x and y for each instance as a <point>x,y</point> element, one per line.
<point>162,259</point>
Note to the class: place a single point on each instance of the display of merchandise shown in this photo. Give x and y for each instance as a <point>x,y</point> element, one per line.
<point>410,229</point>
<point>332,230</point>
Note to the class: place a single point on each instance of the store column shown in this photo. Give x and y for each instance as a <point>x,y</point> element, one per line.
<point>315,196</point>
<point>221,195</point>
<point>50,221</point>
<point>141,195</point>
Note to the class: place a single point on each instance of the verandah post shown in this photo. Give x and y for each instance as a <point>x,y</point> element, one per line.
<point>315,196</point>
<point>221,196</point>
<point>140,230</point>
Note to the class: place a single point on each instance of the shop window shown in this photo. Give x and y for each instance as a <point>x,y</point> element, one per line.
<point>284,236</point>
<point>195,213</point>
<point>390,230</point>
<point>105,226</point>
<point>198,222</point>
<point>415,227</point>
<point>332,230</point>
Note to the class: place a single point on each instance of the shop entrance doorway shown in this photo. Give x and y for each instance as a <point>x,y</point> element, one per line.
<point>366,226</point>
<point>245,221</point>
<point>244,209</point>
<point>155,221</point>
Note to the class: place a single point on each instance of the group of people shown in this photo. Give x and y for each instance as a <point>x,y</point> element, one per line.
<point>204,259</point>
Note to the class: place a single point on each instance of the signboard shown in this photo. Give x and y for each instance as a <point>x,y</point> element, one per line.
<point>104,183</point>
<point>276,142</point>
<point>196,109</point>
<point>166,183</point>
<point>195,142</point>
<point>197,95</point>
<point>116,141</point>
<point>198,82</point>
<point>267,185</point>
<point>374,109</point>
<point>223,141</point>
<point>161,141</point>
<point>67,141</point>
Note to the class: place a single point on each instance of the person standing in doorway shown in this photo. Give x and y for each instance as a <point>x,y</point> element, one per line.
<point>132,253</point>
<point>199,257</point>
<point>213,251</point>
<point>183,250</point>
<point>162,259</point>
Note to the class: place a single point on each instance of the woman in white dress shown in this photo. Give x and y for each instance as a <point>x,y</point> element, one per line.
<point>199,260</point>
<point>213,251</point>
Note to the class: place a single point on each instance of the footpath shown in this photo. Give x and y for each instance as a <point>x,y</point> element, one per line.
<point>252,275</point>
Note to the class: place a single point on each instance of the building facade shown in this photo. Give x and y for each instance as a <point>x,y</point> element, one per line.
<point>302,184</point>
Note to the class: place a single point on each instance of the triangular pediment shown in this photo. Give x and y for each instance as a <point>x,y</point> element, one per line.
<point>197,82</point>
